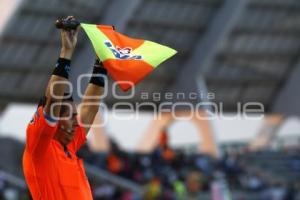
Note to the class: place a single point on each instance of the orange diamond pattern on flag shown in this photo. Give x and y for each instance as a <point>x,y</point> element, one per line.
<point>127,60</point>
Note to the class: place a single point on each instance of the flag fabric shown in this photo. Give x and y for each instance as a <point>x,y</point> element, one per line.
<point>127,60</point>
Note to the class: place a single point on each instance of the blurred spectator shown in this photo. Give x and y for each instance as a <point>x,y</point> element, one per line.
<point>252,182</point>
<point>180,190</point>
<point>153,189</point>
<point>193,182</point>
<point>114,163</point>
<point>275,192</point>
<point>168,154</point>
<point>105,191</point>
<point>170,174</point>
<point>219,187</point>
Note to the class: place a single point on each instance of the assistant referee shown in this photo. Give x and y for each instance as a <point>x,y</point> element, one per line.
<point>51,168</point>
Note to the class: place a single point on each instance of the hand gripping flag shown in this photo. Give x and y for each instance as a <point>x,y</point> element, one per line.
<point>126,59</point>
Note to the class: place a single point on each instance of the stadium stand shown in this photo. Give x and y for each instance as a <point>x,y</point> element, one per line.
<point>172,174</point>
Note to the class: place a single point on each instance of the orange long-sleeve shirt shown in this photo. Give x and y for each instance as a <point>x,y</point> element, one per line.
<point>51,173</point>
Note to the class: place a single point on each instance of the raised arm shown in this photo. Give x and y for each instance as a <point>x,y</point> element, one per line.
<point>41,129</point>
<point>91,100</point>
<point>59,78</point>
